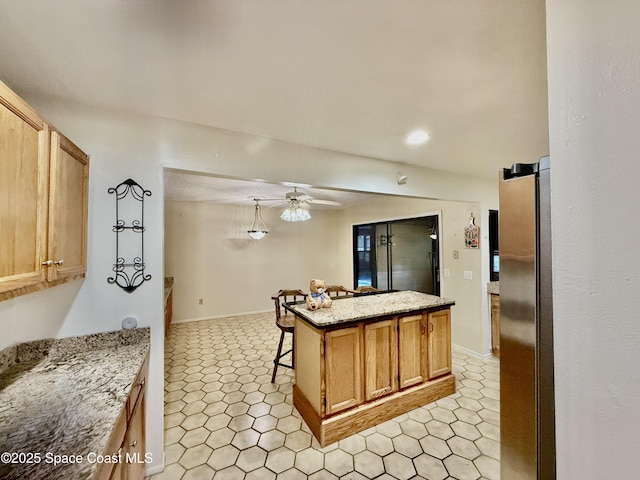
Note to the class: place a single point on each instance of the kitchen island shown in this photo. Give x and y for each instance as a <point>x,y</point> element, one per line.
<point>370,358</point>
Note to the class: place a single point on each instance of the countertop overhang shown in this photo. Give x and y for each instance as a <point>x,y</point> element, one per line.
<point>345,310</point>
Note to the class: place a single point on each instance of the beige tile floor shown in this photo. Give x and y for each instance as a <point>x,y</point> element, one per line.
<point>224,419</point>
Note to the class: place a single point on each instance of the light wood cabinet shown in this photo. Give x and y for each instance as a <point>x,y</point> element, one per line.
<point>380,358</point>
<point>342,367</point>
<point>495,324</point>
<point>424,347</point>
<point>412,346</point>
<point>24,188</point>
<point>127,440</point>
<point>43,201</point>
<point>168,312</point>
<point>351,377</point>
<point>439,340</point>
<point>68,207</point>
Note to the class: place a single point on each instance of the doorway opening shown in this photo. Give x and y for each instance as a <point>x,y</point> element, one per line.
<point>398,255</point>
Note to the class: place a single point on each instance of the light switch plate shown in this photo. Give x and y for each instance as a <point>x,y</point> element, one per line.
<point>468,275</point>
<point>447,272</point>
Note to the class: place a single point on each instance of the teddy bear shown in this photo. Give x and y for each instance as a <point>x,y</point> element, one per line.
<point>317,297</point>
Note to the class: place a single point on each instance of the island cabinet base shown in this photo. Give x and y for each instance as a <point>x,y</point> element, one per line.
<point>331,429</point>
<point>354,375</point>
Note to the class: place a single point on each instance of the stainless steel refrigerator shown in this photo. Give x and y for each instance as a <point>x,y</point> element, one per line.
<point>527,410</point>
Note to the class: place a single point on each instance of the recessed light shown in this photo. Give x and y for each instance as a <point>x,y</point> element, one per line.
<point>416,137</point>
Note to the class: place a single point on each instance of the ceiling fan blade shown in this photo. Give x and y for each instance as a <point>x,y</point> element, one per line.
<point>324,202</point>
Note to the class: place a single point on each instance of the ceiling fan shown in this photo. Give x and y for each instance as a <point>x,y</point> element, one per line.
<point>296,196</point>
<point>296,211</point>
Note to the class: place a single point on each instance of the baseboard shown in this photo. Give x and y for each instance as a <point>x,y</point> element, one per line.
<point>155,469</point>
<point>472,352</point>
<point>344,424</point>
<point>216,317</point>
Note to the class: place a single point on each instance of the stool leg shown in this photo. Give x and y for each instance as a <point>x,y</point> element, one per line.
<point>277,359</point>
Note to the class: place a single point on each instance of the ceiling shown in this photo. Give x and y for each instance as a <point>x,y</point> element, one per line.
<point>189,187</point>
<point>347,75</point>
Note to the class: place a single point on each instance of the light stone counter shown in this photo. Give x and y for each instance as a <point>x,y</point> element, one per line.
<point>346,310</point>
<point>63,397</point>
<point>493,287</point>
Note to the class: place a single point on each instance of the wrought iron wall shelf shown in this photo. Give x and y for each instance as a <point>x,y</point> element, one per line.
<point>129,229</point>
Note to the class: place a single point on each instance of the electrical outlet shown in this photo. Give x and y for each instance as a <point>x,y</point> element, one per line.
<point>468,275</point>
<point>455,254</point>
<point>201,301</point>
<point>447,272</point>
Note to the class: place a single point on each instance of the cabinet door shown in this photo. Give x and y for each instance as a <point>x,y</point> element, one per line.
<point>412,345</point>
<point>67,209</point>
<point>134,443</point>
<point>118,472</point>
<point>343,387</point>
<point>24,177</point>
<point>380,359</point>
<point>439,336</point>
<point>495,324</point>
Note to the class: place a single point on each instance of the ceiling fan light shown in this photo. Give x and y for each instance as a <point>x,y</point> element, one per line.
<point>295,213</point>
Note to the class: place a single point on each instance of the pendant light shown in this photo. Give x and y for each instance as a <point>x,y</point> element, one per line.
<point>434,233</point>
<point>258,228</point>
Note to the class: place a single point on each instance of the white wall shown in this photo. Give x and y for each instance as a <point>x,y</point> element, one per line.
<point>594,94</point>
<point>125,145</point>
<point>210,256</point>
<point>469,322</point>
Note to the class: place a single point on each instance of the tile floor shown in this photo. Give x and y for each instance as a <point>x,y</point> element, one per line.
<point>224,419</point>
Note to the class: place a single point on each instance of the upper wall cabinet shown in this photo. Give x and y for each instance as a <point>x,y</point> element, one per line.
<point>24,183</point>
<point>67,239</point>
<point>43,201</point>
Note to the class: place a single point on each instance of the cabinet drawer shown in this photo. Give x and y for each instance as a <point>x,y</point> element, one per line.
<point>138,388</point>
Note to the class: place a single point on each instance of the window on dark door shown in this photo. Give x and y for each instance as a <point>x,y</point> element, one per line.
<point>398,255</point>
<point>494,247</point>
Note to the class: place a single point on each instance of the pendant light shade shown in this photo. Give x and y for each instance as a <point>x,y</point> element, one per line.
<point>258,228</point>
<point>295,213</point>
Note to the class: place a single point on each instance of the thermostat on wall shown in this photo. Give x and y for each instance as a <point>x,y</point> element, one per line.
<point>129,322</point>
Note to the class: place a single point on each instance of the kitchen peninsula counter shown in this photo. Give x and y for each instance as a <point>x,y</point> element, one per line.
<point>370,358</point>
<point>64,397</point>
<point>345,310</point>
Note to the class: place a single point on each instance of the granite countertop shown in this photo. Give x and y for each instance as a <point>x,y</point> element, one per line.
<point>493,287</point>
<point>352,309</point>
<point>63,397</point>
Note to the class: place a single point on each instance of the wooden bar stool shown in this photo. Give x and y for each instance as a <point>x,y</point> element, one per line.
<point>338,291</point>
<point>285,321</point>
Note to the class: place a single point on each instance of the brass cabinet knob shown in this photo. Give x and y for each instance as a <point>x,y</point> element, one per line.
<point>48,263</point>
<point>134,443</point>
<point>59,262</point>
